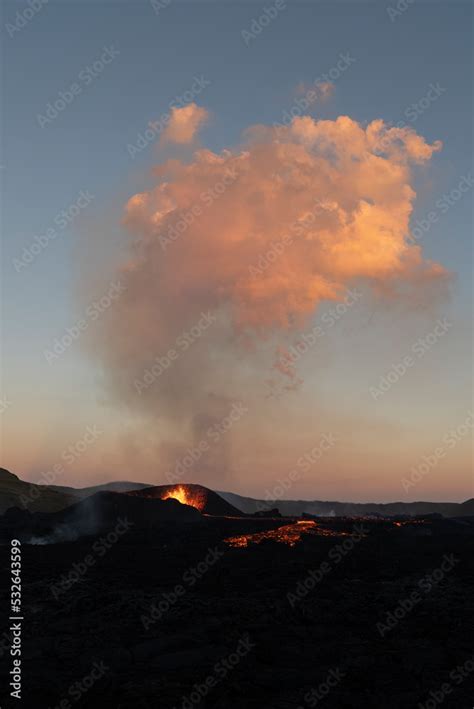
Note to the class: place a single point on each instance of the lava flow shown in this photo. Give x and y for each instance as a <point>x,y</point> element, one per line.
<point>289,534</point>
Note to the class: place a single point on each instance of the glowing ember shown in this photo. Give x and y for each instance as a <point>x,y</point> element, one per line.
<point>289,534</point>
<point>184,495</point>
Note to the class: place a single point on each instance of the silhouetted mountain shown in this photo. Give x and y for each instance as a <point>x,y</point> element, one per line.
<point>111,512</point>
<point>14,492</point>
<point>251,505</point>
<point>115,486</point>
<point>17,493</point>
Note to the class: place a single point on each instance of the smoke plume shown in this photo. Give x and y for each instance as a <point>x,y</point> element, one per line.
<point>230,249</point>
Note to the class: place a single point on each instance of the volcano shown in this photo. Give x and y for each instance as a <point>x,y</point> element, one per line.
<point>206,501</point>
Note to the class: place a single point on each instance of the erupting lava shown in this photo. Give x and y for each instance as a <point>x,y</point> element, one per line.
<point>288,534</point>
<point>185,495</point>
<point>206,501</point>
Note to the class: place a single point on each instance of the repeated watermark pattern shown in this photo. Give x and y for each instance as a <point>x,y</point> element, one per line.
<point>320,88</point>
<point>186,217</point>
<point>335,555</point>
<point>80,687</point>
<point>93,311</point>
<point>189,579</point>
<point>258,24</point>
<point>155,128</point>
<point>287,358</point>
<point>213,435</point>
<point>68,456</point>
<point>417,352</point>
<point>5,404</point>
<point>100,547</point>
<point>159,5</point>
<point>86,76</point>
<point>220,671</point>
<point>456,677</point>
<point>61,221</point>
<point>399,9</point>
<point>317,694</point>
<point>182,343</point>
<point>303,465</point>
<point>25,16</point>
<point>424,586</point>
<point>431,460</point>
<point>443,204</point>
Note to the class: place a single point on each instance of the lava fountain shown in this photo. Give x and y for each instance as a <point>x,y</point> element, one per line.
<point>202,498</point>
<point>184,494</point>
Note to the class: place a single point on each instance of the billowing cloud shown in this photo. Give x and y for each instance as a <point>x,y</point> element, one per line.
<point>184,124</point>
<point>232,248</point>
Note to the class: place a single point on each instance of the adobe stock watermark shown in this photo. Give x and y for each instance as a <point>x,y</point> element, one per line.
<point>99,548</point>
<point>23,17</point>
<point>424,586</point>
<point>416,109</point>
<point>189,579</point>
<point>442,206</point>
<point>188,216</point>
<point>220,671</point>
<point>303,465</point>
<point>182,343</point>
<point>213,435</point>
<point>159,5</point>
<point>317,694</point>
<point>259,23</point>
<point>412,113</point>
<point>5,404</point>
<point>155,128</point>
<point>417,352</point>
<point>321,87</point>
<point>296,229</point>
<point>399,9</point>
<point>336,554</point>
<point>80,687</point>
<point>92,313</point>
<point>456,677</point>
<point>431,460</point>
<point>86,76</point>
<point>68,456</point>
<point>288,358</point>
<point>63,219</point>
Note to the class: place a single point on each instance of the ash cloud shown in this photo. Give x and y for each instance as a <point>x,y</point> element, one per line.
<point>258,236</point>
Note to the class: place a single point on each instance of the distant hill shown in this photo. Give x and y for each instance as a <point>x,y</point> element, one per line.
<point>15,492</point>
<point>118,486</point>
<point>250,505</point>
<point>28,496</point>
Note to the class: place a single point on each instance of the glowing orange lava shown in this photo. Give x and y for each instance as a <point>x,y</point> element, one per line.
<point>288,534</point>
<point>184,495</point>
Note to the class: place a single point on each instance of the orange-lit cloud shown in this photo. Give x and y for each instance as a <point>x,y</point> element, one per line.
<point>184,124</point>
<point>336,196</point>
<point>258,235</point>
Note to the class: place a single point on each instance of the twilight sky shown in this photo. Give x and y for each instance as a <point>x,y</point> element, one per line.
<point>318,301</point>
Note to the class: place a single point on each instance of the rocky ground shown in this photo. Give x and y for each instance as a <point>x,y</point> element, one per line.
<point>179,619</point>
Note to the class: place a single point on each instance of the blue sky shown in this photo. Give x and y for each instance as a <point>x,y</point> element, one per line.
<point>154,58</point>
